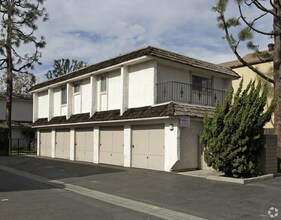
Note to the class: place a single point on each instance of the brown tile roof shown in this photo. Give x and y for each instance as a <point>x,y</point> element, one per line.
<point>40,121</point>
<point>78,118</point>
<point>171,110</point>
<point>195,111</point>
<point>106,115</point>
<point>147,51</point>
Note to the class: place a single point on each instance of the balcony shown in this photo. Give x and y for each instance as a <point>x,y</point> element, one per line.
<point>187,93</point>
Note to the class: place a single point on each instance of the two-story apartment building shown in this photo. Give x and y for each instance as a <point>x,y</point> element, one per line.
<point>142,109</point>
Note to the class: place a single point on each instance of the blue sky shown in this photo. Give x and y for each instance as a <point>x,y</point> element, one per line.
<point>94,30</point>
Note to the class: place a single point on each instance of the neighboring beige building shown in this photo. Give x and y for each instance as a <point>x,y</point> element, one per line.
<point>265,66</point>
<point>21,116</point>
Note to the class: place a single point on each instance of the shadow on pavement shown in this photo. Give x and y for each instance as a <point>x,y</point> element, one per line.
<point>56,169</point>
<point>11,183</point>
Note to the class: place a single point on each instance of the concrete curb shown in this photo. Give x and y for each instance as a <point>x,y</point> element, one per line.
<point>241,181</point>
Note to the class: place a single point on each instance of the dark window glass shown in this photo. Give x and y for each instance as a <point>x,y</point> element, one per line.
<point>63,95</point>
<point>103,84</point>
<point>201,83</point>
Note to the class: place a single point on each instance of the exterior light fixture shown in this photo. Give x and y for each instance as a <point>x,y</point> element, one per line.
<point>171,127</point>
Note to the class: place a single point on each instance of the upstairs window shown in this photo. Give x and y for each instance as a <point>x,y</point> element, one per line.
<point>63,95</point>
<point>201,83</point>
<point>103,84</point>
<point>76,88</point>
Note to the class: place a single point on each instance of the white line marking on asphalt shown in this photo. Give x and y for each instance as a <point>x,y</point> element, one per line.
<point>112,199</point>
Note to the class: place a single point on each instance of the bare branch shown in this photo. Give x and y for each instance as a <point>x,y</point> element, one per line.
<point>234,50</point>
<point>251,25</point>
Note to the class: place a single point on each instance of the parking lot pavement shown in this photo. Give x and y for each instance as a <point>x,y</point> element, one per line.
<point>23,198</point>
<point>182,194</point>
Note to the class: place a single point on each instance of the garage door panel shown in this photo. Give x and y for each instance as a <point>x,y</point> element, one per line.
<point>148,147</point>
<point>89,156</point>
<point>106,140</point>
<point>84,145</point>
<point>140,141</point>
<point>80,154</point>
<point>65,154</point>
<point>156,162</point>
<point>140,161</point>
<point>112,145</point>
<point>156,141</point>
<point>105,157</point>
<point>89,141</point>
<point>66,141</point>
<point>59,153</point>
<point>45,143</point>
<point>118,141</point>
<point>63,144</point>
<point>117,159</point>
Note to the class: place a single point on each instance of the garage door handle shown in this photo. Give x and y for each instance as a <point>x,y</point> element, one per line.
<point>75,144</point>
<point>147,157</point>
<point>133,146</point>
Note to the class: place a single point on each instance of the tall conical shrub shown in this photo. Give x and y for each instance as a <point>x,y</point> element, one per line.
<point>233,138</point>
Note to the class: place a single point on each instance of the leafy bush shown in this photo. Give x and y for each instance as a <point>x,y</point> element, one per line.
<point>233,138</point>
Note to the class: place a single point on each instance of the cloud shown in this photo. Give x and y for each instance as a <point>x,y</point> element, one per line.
<point>96,30</point>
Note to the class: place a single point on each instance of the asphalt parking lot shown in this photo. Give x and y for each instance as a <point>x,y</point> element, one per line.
<point>40,188</point>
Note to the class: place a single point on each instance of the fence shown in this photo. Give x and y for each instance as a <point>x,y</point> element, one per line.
<point>24,146</point>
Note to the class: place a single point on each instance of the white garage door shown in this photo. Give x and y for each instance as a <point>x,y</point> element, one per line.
<point>62,144</point>
<point>45,144</point>
<point>84,145</point>
<point>148,147</point>
<point>112,146</point>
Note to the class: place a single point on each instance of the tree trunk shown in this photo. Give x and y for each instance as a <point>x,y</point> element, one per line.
<point>277,74</point>
<point>9,79</point>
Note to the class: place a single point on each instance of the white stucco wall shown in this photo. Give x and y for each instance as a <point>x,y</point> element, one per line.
<point>76,103</point>
<point>114,90</point>
<point>166,74</point>
<point>63,110</point>
<point>221,84</point>
<point>43,104</point>
<point>172,144</point>
<point>57,102</point>
<point>141,85</point>
<point>86,96</point>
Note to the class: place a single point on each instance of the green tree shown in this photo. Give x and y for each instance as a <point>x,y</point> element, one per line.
<point>64,66</point>
<point>233,138</point>
<point>240,31</point>
<point>18,26</point>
